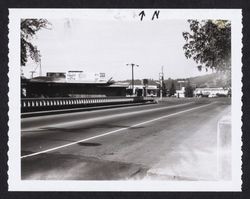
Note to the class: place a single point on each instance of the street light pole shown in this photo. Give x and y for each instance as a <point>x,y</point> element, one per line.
<point>132,65</point>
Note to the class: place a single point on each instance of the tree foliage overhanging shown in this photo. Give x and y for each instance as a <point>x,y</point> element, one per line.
<point>29,27</point>
<point>209,44</point>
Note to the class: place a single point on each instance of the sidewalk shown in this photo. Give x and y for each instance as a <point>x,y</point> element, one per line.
<point>198,158</point>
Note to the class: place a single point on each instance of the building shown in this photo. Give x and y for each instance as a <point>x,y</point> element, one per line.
<point>180,93</point>
<point>211,92</point>
<point>70,84</point>
<point>80,84</point>
<point>143,90</point>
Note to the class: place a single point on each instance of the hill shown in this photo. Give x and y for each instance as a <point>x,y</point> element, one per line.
<point>218,79</point>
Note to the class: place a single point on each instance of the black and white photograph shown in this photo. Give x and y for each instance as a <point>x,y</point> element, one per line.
<point>125,100</point>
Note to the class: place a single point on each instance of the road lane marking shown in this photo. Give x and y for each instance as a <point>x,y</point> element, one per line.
<point>94,119</point>
<point>115,131</point>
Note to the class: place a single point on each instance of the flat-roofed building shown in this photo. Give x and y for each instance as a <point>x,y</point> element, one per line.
<point>143,90</point>
<point>211,92</point>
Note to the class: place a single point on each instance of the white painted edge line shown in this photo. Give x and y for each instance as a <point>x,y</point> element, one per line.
<point>112,132</point>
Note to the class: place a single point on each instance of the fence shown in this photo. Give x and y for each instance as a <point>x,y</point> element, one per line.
<point>39,104</point>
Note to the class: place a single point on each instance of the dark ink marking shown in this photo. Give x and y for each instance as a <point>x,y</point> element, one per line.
<point>142,14</point>
<point>156,13</point>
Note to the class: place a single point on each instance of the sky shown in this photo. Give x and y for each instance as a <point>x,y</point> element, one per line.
<point>108,45</point>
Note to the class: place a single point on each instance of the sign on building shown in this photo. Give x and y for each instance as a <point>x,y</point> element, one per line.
<point>80,76</point>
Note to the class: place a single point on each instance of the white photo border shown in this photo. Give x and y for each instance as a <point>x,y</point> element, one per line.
<point>14,174</point>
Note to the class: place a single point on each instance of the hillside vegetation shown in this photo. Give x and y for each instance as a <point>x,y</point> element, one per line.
<point>218,79</point>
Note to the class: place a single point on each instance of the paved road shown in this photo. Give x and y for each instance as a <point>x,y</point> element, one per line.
<point>158,141</point>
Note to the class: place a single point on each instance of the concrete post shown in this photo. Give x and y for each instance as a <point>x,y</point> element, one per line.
<point>224,158</point>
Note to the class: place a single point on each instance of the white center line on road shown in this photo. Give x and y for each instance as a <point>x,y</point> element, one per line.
<point>112,132</point>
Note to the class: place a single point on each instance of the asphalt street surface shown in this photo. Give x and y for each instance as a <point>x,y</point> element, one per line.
<point>169,140</point>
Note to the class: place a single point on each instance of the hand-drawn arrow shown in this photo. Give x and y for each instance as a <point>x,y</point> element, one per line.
<point>142,14</point>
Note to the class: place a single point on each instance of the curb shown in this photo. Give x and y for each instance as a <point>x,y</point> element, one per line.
<point>62,111</point>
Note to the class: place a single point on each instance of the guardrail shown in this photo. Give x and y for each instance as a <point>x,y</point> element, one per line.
<point>41,104</point>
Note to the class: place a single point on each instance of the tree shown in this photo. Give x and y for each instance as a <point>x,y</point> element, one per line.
<point>29,27</point>
<point>172,89</point>
<point>189,91</point>
<point>209,44</point>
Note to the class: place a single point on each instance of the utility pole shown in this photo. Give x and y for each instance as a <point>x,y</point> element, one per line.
<point>132,65</point>
<point>161,76</point>
<point>32,73</point>
<point>40,65</point>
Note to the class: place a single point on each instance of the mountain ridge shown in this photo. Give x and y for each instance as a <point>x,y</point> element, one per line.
<point>216,79</point>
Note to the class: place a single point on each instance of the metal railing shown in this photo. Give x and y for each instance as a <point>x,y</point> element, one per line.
<point>36,104</point>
